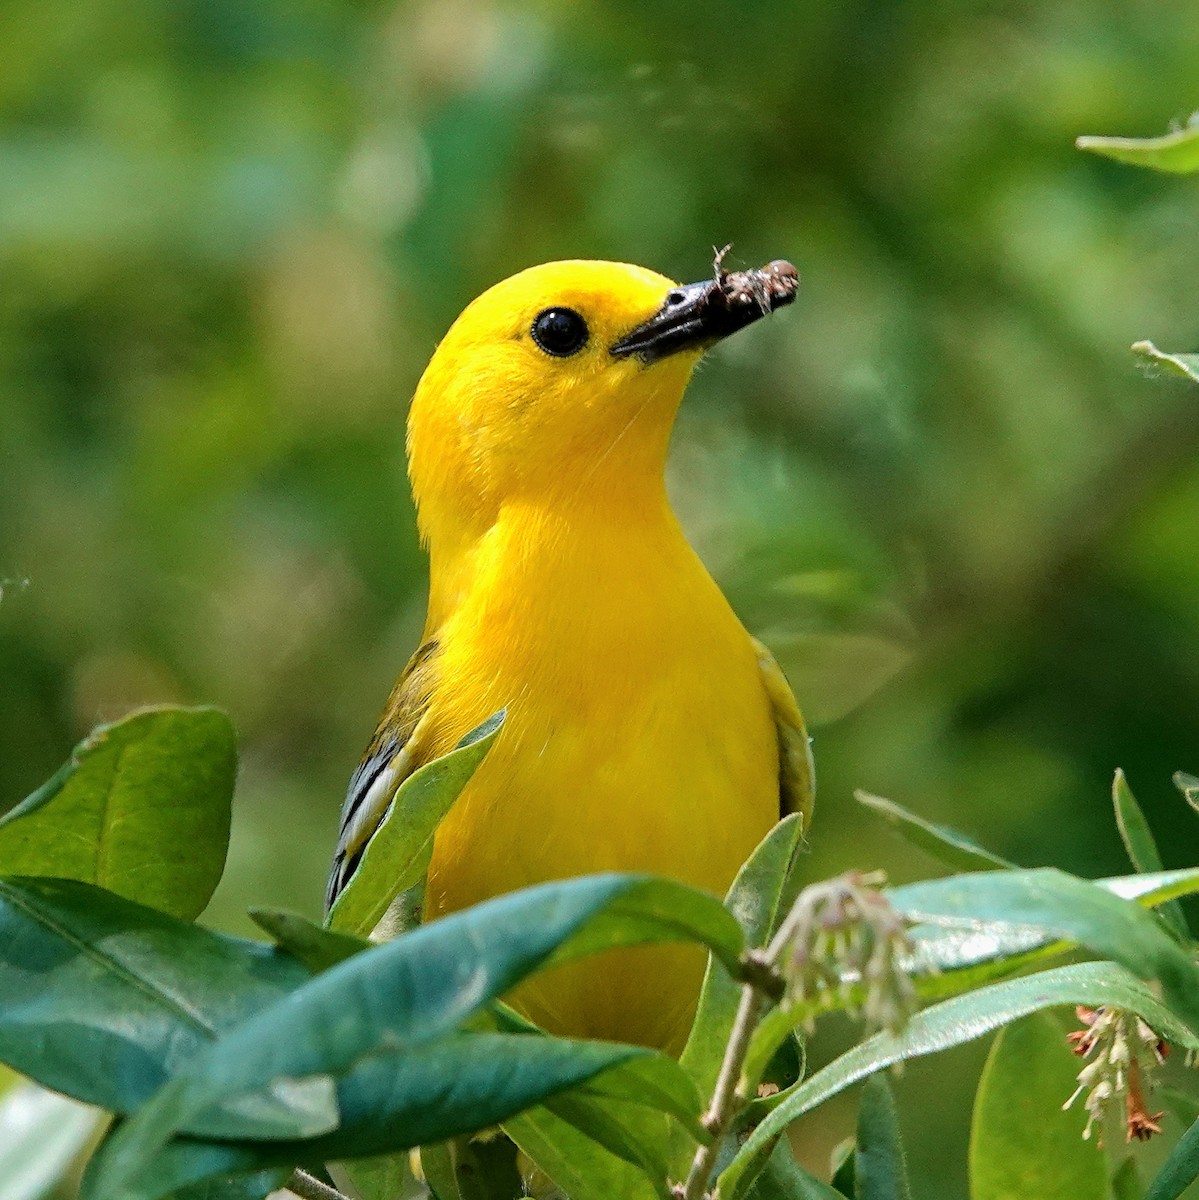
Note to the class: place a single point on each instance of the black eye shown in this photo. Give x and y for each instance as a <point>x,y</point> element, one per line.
<point>560,331</point>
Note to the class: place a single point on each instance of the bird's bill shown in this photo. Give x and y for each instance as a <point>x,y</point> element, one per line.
<point>695,315</point>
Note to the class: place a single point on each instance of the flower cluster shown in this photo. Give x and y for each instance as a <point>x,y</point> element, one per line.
<point>847,947</point>
<point>1121,1050</point>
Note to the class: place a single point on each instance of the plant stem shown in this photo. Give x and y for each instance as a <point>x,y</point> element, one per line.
<point>725,1101</point>
<point>308,1187</point>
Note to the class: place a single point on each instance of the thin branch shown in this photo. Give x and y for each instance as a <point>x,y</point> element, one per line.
<point>308,1187</point>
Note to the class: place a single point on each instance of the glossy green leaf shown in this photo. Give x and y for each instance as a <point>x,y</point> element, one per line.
<point>943,843</point>
<point>1062,907</point>
<point>950,1023</point>
<point>879,1169</point>
<point>764,890</point>
<point>41,1135</point>
<point>1180,1170</point>
<point>255,1186</point>
<point>407,992</point>
<point>313,945</point>
<point>1184,365</point>
<point>140,808</point>
<point>395,1099</point>
<point>104,999</point>
<point>579,1165</point>
<point>1188,785</point>
<point>1022,1142</point>
<point>397,855</point>
<point>1176,151</point>
<point>1138,842</point>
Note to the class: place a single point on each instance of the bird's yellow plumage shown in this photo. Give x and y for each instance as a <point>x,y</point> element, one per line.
<point>645,729</point>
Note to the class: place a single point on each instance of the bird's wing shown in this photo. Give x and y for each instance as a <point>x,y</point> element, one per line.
<point>797,772</point>
<point>395,751</point>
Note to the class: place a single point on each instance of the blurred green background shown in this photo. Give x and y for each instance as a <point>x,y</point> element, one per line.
<point>232,231</point>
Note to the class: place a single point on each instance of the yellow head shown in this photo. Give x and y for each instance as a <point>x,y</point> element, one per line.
<point>560,386</point>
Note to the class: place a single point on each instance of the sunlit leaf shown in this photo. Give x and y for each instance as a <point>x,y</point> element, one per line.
<point>397,855</point>
<point>1184,365</point>
<point>943,843</point>
<point>950,1023</point>
<point>461,1168</point>
<point>140,808</point>
<point>1022,1142</point>
<point>1177,151</point>
<point>1064,907</point>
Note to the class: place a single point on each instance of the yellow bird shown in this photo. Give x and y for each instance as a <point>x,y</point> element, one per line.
<point>645,730</point>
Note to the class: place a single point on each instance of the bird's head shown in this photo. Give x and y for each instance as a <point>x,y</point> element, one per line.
<point>560,385</point>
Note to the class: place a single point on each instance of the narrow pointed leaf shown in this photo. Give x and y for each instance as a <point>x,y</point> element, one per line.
<point>104,999</point>
<point>1188,785</point>
<point>765,888</point>
<point>397,856</point>
<point>141,808</point>
<point>1126,1182</point>
<point>313,945</point>
<point>1184,365</point>
<point>880,1172</point>
<point>1180,1170</point>
<point>1063,907</point>
<point>943,843</point>
<point>1022,1142</point>
<point>783,1178</point>
<point>1139,843</point>
<point>950,1023</point>
<point>1176,151</point>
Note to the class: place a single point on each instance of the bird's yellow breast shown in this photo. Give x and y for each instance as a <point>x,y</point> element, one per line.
<point>638,737</point>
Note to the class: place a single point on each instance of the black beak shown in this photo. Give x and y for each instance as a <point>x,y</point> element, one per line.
<point>695,315</point>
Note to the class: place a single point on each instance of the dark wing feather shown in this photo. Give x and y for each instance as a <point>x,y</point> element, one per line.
<point>393,754</point>
<point>797,772</point>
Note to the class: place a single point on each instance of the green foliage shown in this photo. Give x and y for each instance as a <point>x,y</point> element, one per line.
<point>1180,1170</point>
<point>1177,151</point>
<point>1022,1144</point>
<point>236,1061</point>
<point>397,856</point>
<point>1184,365</point>
<point>140,808</point>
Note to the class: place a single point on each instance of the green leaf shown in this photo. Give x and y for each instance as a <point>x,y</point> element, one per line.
<point>842,1162</point>
<point>1177,151</point>
<point>463,1169</point>
<point>1180,1170</point>
<point>391,1101</point>
<point>783,1178</point>
<point>1022,1143</point>
<point>313,945</point>
<point>765,888</point>
<point>1188,785</point>
<point>104,999</point>
<point>880,1172</point>
<point>950,1023</point>
<point>580,1166</point>
<point>1062,906</point>
<point>407,993</point>
<point>397,855</point>
<point>1184,365</point>
<point>943,843</point>
<point>41,1137</point>
<point>1142,849</point>
<point>385,1176</point>
<point>141,808</point>
<point>1126,1182</point>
